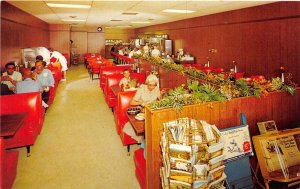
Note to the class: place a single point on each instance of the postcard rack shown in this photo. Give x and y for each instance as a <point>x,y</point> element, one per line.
<point>278,156</point>
<point>192,153</point>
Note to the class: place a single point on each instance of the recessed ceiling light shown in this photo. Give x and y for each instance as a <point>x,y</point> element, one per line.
<point>116,20</point>
<point>177,11</point>
<point>73,20</point>
<point>129,13</point>
<point>123,26</point>
<point>69,6</point>
<point>140,22</point>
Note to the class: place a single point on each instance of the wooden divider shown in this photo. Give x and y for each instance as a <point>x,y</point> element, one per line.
<point>278,106</point>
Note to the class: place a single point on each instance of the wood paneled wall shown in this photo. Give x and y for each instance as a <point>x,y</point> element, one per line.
<point>260,39</point>
<point>96,42</point>
<point>80,41</point>
<point>60,38</point>
<point>20,30</point>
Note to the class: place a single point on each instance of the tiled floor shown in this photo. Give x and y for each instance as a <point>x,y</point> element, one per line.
<point>78,147</point>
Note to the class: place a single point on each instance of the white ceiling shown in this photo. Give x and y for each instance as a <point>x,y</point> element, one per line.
<point>102,12</point>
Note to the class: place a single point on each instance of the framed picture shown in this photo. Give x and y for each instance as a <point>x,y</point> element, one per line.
<point>267,127</point>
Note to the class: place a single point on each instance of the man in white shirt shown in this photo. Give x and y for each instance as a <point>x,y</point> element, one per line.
<point>11,77</point>
<point>135,51</point>
<point>155,51</point>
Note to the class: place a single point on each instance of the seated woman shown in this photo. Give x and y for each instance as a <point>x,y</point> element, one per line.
<point>145,94</point>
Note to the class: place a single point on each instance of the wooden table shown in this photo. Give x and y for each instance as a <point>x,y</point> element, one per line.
<point>139,126</point>
<point>116,89</point>
<point>10,123</point>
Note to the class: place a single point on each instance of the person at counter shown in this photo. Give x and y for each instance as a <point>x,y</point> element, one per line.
<point>57,57</point>
<point>11,77</point>
<point>146,94</point>
<point>155,51</point>
<point>135,51</point>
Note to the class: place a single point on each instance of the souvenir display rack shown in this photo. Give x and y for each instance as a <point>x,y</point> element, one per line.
<point>192,153</point>
<point>279,156</point>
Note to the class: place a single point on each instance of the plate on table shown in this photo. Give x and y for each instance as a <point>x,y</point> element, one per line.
<point>133,111</point>
<point>140,116</point>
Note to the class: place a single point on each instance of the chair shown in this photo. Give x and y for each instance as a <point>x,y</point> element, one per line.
<point>8,166</point>
<point>140,167</point>
<point>95,69</point>
<point>123,103</point>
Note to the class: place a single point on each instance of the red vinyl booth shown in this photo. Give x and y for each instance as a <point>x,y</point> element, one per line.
<point>140,167</point>
<point>115,79</point>
<point>19,103</point>
<point>123,103</point>
<point>109,71</point>
<point>8,166</point>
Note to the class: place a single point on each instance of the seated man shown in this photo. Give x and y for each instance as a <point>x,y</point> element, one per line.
<point>145,94</point>
<point>29,85</point>
<point>45,77</point>
<point>11,77</point>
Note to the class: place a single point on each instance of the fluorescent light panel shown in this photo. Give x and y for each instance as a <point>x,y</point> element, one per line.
<point>73,20</point>
<point>177,11</point>
<point>140,22</point>
<point>69,6</point>
<point>123,26</point>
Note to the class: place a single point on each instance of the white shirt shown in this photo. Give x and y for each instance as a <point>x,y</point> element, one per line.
<point>17,76</point>
<point>60,58</point>
<point>155,52</point>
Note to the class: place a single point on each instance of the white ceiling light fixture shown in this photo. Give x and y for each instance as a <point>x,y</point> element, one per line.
<point>140,22</point>
<point>123,26</point>
<point>69,6</point>
<point>73,20</point>
<point>178,11</point>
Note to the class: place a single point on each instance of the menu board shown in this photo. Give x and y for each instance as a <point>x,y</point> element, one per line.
<point>237,142</point>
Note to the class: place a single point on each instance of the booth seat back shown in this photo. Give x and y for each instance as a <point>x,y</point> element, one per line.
<point>19,103</point>
<point>123,103</point>
<point>140,167</point>
<point>111,80</point>
<point>109,71</point>
<point>115,79</point>
<point>8,166</point>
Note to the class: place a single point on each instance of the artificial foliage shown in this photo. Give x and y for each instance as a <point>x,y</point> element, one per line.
<point>214,87</point>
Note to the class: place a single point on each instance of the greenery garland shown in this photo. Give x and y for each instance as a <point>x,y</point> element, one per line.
<point>214,87</point>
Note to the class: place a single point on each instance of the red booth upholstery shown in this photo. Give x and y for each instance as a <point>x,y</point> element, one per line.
<point>140,167</point>
<point>8,166</point>
<point>114,79</point>
<point>109,71</point>
<point>123,103</point>
<point>94,69</point>
<point>19,103</point>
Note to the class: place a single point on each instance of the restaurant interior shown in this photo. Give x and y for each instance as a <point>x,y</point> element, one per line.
<point>225,74</point>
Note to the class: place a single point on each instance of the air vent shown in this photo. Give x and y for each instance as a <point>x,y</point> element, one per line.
<point>116,20</point>
<point>129,13</point>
